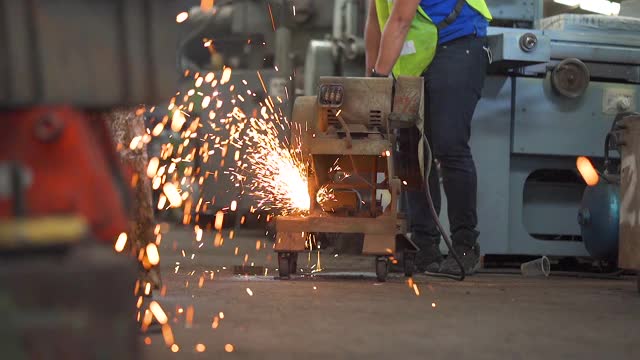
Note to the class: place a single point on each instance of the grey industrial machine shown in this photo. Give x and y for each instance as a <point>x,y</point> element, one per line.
<point>122,52</point>
<point>553,90</point>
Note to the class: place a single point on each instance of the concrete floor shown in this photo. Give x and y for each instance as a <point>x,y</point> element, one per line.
<point>333,316</point>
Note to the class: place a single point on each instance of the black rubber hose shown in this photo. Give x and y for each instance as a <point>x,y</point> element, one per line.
<point>436,219</point>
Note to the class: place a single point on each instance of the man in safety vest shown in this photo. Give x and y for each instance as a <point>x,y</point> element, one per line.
<point>445,42</point>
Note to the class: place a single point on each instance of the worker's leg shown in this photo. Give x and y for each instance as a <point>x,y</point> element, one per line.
<point>454,83</point>
<point>423,230</point>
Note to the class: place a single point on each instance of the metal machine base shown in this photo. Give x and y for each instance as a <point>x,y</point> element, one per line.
<point>382,238</point>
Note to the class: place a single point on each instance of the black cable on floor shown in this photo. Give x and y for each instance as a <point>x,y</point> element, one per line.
<point>436,218</point>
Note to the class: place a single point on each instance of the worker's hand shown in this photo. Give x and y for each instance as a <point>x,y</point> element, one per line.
<point>375,73</point>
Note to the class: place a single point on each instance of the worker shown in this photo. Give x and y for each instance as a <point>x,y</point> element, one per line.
<point>444,41</point>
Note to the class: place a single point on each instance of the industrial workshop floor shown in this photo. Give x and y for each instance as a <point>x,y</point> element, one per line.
<point>350,316</point>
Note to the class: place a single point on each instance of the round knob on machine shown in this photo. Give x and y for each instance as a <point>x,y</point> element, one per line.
<point>570,78</point>
<point>528,42</point>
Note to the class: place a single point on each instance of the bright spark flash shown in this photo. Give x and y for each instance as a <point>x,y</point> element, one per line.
<point>262,161</point>
<point>276,173</point>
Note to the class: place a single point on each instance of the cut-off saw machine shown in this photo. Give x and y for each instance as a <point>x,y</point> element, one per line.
<point>347,142</point>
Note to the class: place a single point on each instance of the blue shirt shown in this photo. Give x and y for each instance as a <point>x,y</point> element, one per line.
<point>468,22</point>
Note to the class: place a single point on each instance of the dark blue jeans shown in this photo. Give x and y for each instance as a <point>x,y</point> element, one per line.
<point>453,85</point>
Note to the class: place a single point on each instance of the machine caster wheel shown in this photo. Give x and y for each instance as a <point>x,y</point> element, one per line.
<point>409,262</point>
<point>382,268</point>
<point>284,266</point>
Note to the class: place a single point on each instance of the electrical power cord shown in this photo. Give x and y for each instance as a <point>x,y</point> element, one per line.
<point>436,219</point>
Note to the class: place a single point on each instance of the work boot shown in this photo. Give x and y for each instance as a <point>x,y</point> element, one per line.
<point>429,257</point>
<point>466,246</point>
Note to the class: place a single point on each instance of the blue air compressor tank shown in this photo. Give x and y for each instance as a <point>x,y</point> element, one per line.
<point>599,217</point>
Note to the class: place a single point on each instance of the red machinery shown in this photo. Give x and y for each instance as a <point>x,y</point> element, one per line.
<point>62,296</point>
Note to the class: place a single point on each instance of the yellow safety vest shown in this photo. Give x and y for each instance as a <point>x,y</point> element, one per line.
<point>421,42</point>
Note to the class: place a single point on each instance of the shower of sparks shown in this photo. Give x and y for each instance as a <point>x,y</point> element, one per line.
<point>219,128</point>
<point>325,195</point>
<point>277,175</point>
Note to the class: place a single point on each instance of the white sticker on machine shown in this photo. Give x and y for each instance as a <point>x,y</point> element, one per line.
<point>277,88</point>
<point>618,99</point>
<point>408,48</point>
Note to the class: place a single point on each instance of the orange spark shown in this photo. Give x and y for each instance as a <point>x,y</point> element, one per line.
<point>219,220</point>
<point>206,5</point>
<point>206,101</point>
<point>217,242</point>
<point>172,194</point>
<point>167,334</point>
<point>588,172</point>
<point>157,130</point>
<point>189,317</point>
<point>416,290</point>
<point>152,254</point>
<point>226,75</point>
<point>146,320</point>
<point>177,120</point>
<point>135,142</point>
<point>182,17</point>
<point>273,23</point>
<point>152,168</point>
<point>158,312</point>
<point>121,242</point>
